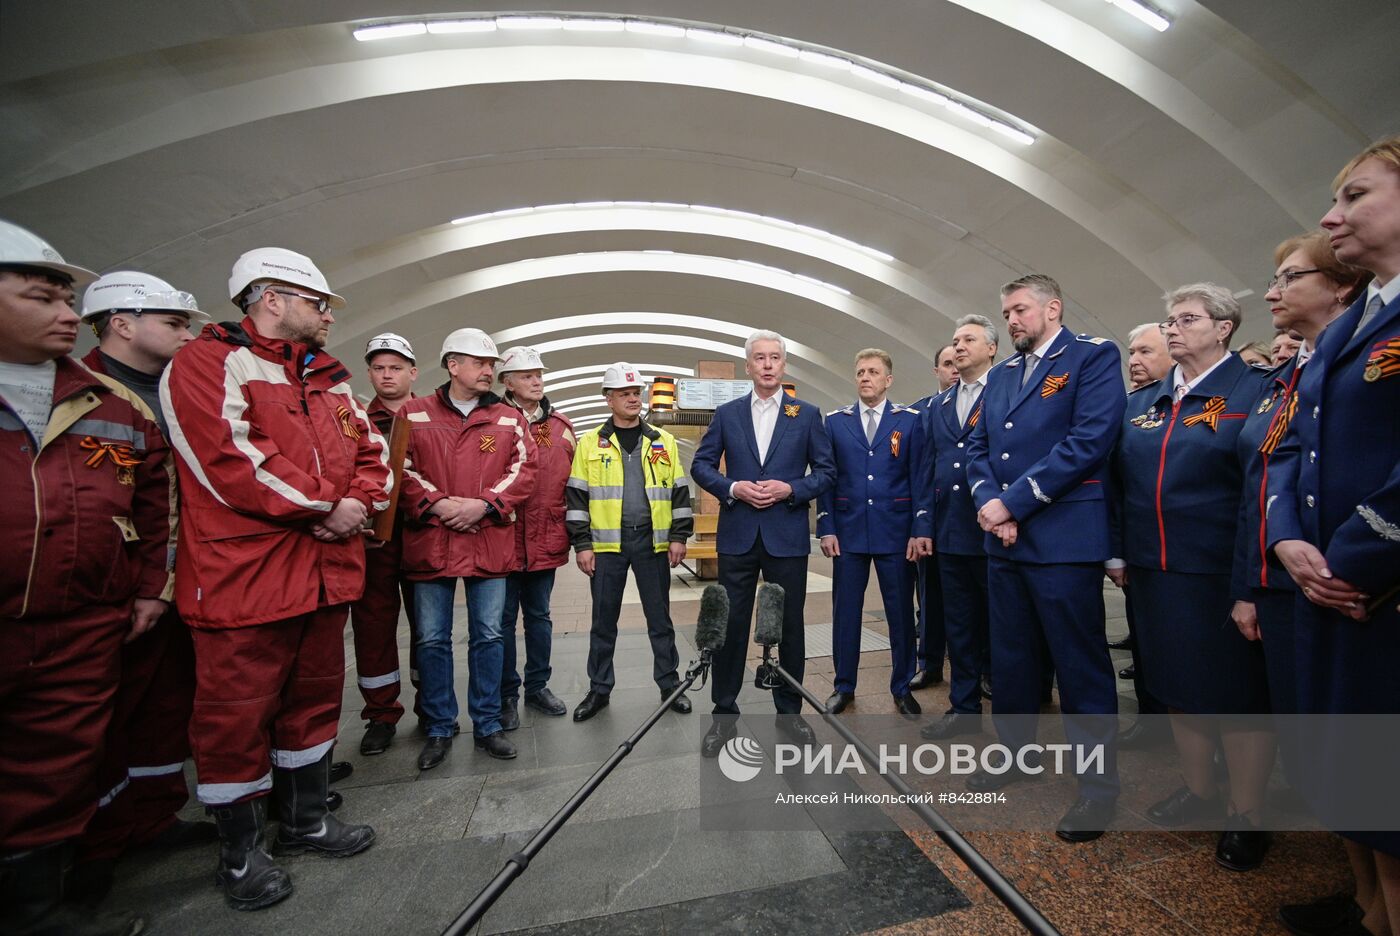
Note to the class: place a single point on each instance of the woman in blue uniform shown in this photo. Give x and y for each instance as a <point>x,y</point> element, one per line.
<point>1334,523</point>
<point>1310,287</point>
<point>1179,478</point>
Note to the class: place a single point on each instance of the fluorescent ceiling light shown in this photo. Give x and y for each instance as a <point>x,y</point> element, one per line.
<point>1014,133</point>
<point>389,31</point>
<point>448,27</point>
<point>1144,12</point>
<point>668,370</point>
<point>884,79</point>
<point>825,60</point>
<point>976,116</point>
<point>594,25</point>
<point>714,37</point>
<point>768,45</point>
<point>923,94</point>
<point>529,22</point>
<point>648,28</point>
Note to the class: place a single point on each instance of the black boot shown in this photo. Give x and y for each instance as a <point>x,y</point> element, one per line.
<point>306,823</point>
<point>31,895</point>
<point>250,878</point>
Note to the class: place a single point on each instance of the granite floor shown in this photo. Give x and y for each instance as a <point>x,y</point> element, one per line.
<point>657,848</point>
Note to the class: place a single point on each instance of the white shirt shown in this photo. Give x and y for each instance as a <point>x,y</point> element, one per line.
<point>28,390</point>
<point>967,392</point>
<point>878,409</point>
<point>1181,386</point>
<point>765,419</point>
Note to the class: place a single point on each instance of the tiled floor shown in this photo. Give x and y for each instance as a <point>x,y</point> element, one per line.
<point>640,857</point>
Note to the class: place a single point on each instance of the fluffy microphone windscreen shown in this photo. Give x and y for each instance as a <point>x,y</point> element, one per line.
<point>768,629</point>
<point>713,622</point>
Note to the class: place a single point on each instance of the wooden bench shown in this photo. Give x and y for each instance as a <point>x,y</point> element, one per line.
<point>697,548</point>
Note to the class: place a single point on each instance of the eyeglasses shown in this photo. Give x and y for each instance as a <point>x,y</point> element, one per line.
<point>1285,279</point>
<point>321,304</point>
<point>1181,321</point>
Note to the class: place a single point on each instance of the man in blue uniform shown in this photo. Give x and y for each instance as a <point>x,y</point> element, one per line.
<point>927,588</point>
<point>959,541</point>
<point>1037,463</point>
<point>880,510</point>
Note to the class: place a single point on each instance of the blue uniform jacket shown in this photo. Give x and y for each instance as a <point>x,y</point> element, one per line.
<point>880,499</point>
<point>1177,471</point>
<point>1335,480</point>
<point>954,517</point>
<point>1044,449</point>
<point>1259,439</point>
<point>799,442</point>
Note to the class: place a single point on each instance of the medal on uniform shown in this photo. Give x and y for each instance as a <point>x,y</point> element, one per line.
<point>488,443</point>
<point>1148,420</point>
<point>1268,402</point>
<point>894,443</point>
<point>1384,360</point>
<point>790,410</point>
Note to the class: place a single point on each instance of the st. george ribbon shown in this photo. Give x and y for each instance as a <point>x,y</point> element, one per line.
<point>768,633</point>
<point>711,625</point>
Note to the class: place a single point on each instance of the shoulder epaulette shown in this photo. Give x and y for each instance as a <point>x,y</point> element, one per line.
<point>901,408</point>
<point>849,410</point>
<point>1091,339</point>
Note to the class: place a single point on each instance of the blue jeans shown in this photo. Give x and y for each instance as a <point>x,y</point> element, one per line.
<point>527,593</point>
<point>433,638</point>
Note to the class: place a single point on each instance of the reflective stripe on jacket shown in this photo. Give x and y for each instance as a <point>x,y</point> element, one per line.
<point>594,493</point>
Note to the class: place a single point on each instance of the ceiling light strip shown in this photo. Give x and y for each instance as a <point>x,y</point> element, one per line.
<point>876,73</point>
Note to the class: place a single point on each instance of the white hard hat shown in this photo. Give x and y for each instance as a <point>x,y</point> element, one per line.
<point>621,375</point>
<point>472,341</point>
<point>285,266</point>
<point>390,342</point>
<point>20,247</point>
<point>520,358</point>
<point>129,291</point>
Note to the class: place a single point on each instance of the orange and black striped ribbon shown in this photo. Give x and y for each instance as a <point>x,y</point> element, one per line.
<point>488,443</point>
<point>121,454</point>
<point>347,423</point>
<point>976,415</point>
<point>1215,408</point>
<point>1279,427</point>
<point>542,435</point>
<point>1053,384</point>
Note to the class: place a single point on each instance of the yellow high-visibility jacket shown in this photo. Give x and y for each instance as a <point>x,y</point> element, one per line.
<point>593,497</point>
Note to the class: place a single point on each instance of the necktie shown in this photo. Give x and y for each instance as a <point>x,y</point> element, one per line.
<point>964,404</point>
<point>1372,308</point>
<point>870,426</point>
<point>1031,361</point>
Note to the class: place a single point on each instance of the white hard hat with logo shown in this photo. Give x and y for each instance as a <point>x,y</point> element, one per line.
<point>621,375</point>
<point>389,341</point>
<point>470,341</point>
<point>520,358</point>
<point>129,291</point>
<point>285,266</point>
<point>21,247</point>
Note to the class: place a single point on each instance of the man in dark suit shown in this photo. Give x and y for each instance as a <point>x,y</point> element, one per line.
<point>768,443</point>
<point>932,639</point>
<point>949,420</point>
<point>1037,464</point>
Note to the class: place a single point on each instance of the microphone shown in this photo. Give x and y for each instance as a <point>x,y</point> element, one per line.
<point>768,629</point>
<point>712,624</point>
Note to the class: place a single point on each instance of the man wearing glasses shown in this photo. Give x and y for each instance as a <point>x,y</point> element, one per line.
<point>281,469</point>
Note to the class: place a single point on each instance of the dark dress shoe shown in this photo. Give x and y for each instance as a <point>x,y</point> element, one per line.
<point>925,678</point>
<point>496,745</point>
<point>719,733</point>
<point>985,687</point>
<point>1086,820</point>
<point>1321,917</point>
<point>334,801</point>
<point>592,704</point>
<point>1142,734</point>
<point>1184,808</point>
<point>184,834</point>
<point>985,782</point>
<point>798,730</point>
<point>378,736</point>
<point>340,770</point>
<point>546,702</point>
<point>434,753</point>
<point>682,704</point>
<point>951,725</point>
<point>1242,845</point>
<point>1128,672</point>
<point>1125,644</point>
<point>907,705</point>
<point>510,715</point>
<point>836,702</point>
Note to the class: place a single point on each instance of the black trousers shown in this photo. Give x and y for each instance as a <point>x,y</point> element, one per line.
<point>1147,702</point>
<point>933,640</point>
<point>652,571</point>
<point>739,576</point>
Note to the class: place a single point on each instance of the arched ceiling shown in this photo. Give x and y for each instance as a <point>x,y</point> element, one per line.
<point>684,187</point>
